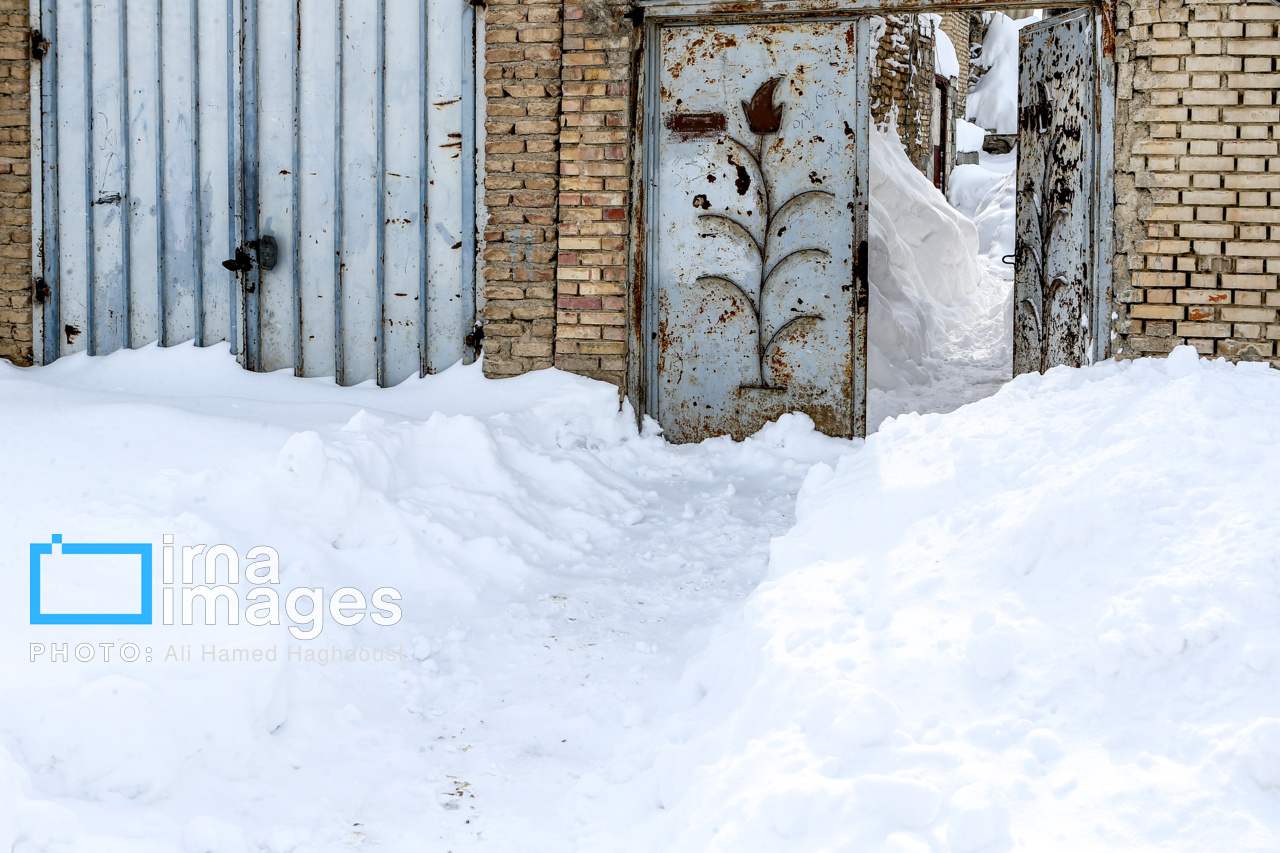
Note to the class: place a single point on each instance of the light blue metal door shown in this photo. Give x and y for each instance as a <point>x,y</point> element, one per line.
<point>757,169</point>
<point>295,178</point>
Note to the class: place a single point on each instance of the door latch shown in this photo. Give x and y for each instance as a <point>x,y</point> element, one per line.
<point>267,252</point>
<point>242,262</point>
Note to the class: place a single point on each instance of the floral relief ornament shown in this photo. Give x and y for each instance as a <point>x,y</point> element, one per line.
<point>764,118</point>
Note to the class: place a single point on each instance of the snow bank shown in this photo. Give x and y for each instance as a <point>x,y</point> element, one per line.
<point>556,567</point>
<point>923,265</point>
<point>996,217</point>
<point>993,101</point>
<point>945,61</point>
<point>1043,622</point>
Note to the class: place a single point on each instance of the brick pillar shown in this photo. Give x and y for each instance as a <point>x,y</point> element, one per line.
<point>595,197</point>
<point>1198,178</point>
<point>15,183</point>
<point>522,87</point>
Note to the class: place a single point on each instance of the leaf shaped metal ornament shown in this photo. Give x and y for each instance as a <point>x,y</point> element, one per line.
<point>763,116</point>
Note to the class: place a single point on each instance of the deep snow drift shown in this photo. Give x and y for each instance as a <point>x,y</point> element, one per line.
<point>993,100</point>
<point>940,317</point>
<point>1044,621</point>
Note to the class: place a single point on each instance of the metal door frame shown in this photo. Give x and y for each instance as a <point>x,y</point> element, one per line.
<point>642,362</point>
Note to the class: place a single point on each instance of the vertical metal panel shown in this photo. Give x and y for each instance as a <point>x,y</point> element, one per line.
<point>402,215</point>
<point>317,184</point>
<point>159,211</point>
<point>358,211</point>
<point>446,312</point>
<point>74,249</point>
<point>276,46</point>
<point>235,165</point>
<point>1054,298</point>
<point>380,180</point>
<point>215,92</point>
<point>338,157</point>
<point>49,219</point>
<point>180,283</point>
<point>759,256</point>
<point>249,188</point>
<point>140,149</point>
<point>198,230</point>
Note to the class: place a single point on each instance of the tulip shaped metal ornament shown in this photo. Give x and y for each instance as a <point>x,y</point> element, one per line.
<point>764,119</point>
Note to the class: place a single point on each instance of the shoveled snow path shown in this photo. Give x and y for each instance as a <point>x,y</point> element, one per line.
<point>595,648</point>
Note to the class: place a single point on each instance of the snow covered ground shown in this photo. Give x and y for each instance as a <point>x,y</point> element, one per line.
<point>556,567</point>
<point>1045,621</point>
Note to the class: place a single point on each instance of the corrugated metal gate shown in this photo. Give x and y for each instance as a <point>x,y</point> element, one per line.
<point>295,178</point>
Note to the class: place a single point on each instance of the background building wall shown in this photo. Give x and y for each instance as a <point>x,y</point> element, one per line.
<point>1198,177</point>
<point>902,83</point>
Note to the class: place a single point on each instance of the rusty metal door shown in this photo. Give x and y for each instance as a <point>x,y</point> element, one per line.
<point>757,176</point>
<point>1055,289</point>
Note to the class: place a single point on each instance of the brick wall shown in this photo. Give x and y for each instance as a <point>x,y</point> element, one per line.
<point>15,183</point>
<point>902,83</point>
<point>1198,178</point>
<point>956,26</point>
<point>522,125</point>
<point>595,197</point>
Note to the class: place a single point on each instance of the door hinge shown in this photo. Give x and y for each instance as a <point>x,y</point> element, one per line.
<point>39,44</point>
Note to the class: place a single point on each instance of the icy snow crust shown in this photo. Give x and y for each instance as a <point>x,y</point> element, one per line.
<point>1045,621</point>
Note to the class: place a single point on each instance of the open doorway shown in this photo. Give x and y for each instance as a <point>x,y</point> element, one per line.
<point>954,220</point>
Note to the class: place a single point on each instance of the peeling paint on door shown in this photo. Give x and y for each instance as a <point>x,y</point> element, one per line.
<point>1057,141</point>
